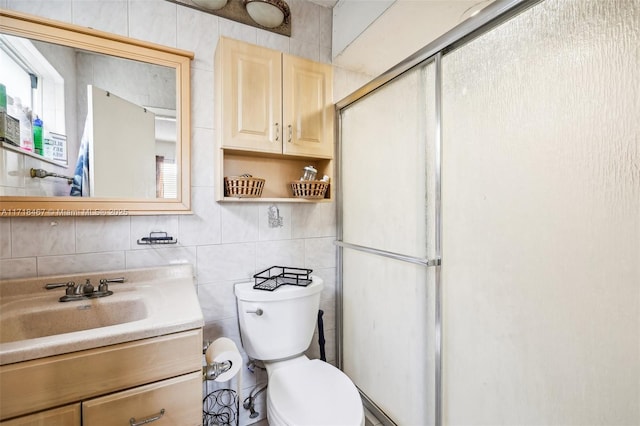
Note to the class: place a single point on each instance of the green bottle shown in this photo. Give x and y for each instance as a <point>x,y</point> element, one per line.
<point>37,135</point>
<point>3,98</point>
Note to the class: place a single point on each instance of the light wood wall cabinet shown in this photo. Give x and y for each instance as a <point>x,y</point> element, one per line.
<point>274,115</point>
<point>156,378</point>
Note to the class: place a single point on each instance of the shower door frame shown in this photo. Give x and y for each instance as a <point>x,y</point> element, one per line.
<point>488,18</point>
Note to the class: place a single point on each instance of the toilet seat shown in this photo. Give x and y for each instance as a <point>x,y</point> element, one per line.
<point>313,393</point>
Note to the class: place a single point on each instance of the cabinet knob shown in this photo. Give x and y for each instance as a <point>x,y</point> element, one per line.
<point>277,132</point>
<point>290,132</point>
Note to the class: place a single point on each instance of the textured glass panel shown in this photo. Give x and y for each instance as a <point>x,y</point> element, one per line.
<point>385,331</point>
<point>541,201</point>
<point>388,169</point>
<point>384,165</point>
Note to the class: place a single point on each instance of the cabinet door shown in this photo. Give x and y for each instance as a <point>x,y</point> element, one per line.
<point>308,110</point>
<point>249,108</point>
<point>176,401</point>
<point>68,415</point>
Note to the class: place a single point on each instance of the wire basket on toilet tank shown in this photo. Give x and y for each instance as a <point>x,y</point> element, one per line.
<point>275,276</point>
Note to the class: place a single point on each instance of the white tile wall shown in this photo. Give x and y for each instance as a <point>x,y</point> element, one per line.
<point>241,223</point>
<point>159,255</point>
<point>18,268</point>
<point>5,239</point>
<point>42,236</point>
<point>153,20</point>
<point>94,234</point>
<point>75,263</point>
<point>226,243</point>
<point>52,9</point>
<point>274,222</point>
<point>15,178</point>
<point>106,15</point>
<point>13,163</point>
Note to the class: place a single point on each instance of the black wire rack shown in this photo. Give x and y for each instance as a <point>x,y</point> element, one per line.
<point>220,408</point>
<point>275,276</point>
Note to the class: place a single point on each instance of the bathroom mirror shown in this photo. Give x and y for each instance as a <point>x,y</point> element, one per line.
<point>115,118</point>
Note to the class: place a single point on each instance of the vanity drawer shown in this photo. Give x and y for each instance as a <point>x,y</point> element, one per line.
<point>63,379</point>
<point>64,416</point>
<point>176,401</point>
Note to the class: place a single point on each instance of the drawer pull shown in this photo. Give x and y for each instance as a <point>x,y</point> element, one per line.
<point>132,420</point>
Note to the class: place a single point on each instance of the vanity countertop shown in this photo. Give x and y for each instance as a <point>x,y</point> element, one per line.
<point>151,302</point>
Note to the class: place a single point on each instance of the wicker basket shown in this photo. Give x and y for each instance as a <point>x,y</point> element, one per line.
<point>243,187</point>
<point>309,188</point>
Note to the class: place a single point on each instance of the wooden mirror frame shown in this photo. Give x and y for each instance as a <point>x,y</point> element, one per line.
<point>47,30</point>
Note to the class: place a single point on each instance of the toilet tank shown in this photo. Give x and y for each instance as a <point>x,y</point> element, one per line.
<point>287,321</point>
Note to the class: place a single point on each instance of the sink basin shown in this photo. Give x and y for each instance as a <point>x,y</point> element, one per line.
<point>39,317</point>
<point>152,302</point>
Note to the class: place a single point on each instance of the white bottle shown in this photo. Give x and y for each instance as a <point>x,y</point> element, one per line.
<point>26,132</point>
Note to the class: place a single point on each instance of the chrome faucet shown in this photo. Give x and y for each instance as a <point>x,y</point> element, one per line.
<point>84,291</point>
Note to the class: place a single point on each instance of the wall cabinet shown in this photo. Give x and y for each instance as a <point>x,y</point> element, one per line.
<point>156,377</point>
<point>273,109</point>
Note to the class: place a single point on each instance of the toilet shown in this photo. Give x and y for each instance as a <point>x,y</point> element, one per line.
<point>276,327</point>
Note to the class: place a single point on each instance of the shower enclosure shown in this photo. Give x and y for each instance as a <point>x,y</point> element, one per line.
<point>489,222</point>
<point>387,218</point>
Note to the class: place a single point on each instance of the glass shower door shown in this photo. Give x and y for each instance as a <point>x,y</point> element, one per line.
<point>387,223</point>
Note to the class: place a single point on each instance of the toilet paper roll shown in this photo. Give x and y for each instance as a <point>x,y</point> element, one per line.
<point>223,349</point>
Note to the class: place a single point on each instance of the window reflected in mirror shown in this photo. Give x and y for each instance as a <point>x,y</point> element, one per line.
<point>107,125</point>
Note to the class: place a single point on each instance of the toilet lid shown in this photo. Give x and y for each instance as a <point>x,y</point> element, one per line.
<point>314,393</point>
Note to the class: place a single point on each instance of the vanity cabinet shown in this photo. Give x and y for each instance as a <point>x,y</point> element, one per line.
<point>274,113</point>
<point>112,384</point>
<point>169,402</point>
<point>64,416</point>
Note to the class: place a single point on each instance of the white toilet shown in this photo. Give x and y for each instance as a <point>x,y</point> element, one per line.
<point>276,327</point>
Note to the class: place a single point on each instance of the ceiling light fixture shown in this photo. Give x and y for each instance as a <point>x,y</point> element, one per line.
<point>474,10</point>
<point>211,4</point>
<point>268,13</point>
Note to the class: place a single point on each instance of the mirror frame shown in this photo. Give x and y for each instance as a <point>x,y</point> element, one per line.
<point>43,29</point>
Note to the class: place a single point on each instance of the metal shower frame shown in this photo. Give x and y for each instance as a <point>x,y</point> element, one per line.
<point>488,18</point>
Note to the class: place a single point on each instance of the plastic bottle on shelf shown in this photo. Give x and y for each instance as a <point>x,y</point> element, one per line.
<point>37,135</point>
<point>11,106</point>
<point>3,98</point>
<point>26,134</point>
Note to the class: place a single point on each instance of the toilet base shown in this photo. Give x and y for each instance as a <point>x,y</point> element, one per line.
<point>311,392</point>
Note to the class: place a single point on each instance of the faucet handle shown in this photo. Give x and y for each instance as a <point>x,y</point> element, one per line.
<point>51,286</point>
<point>113,280</point>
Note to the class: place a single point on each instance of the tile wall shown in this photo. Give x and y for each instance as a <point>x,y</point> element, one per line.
<point>225,243</point>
